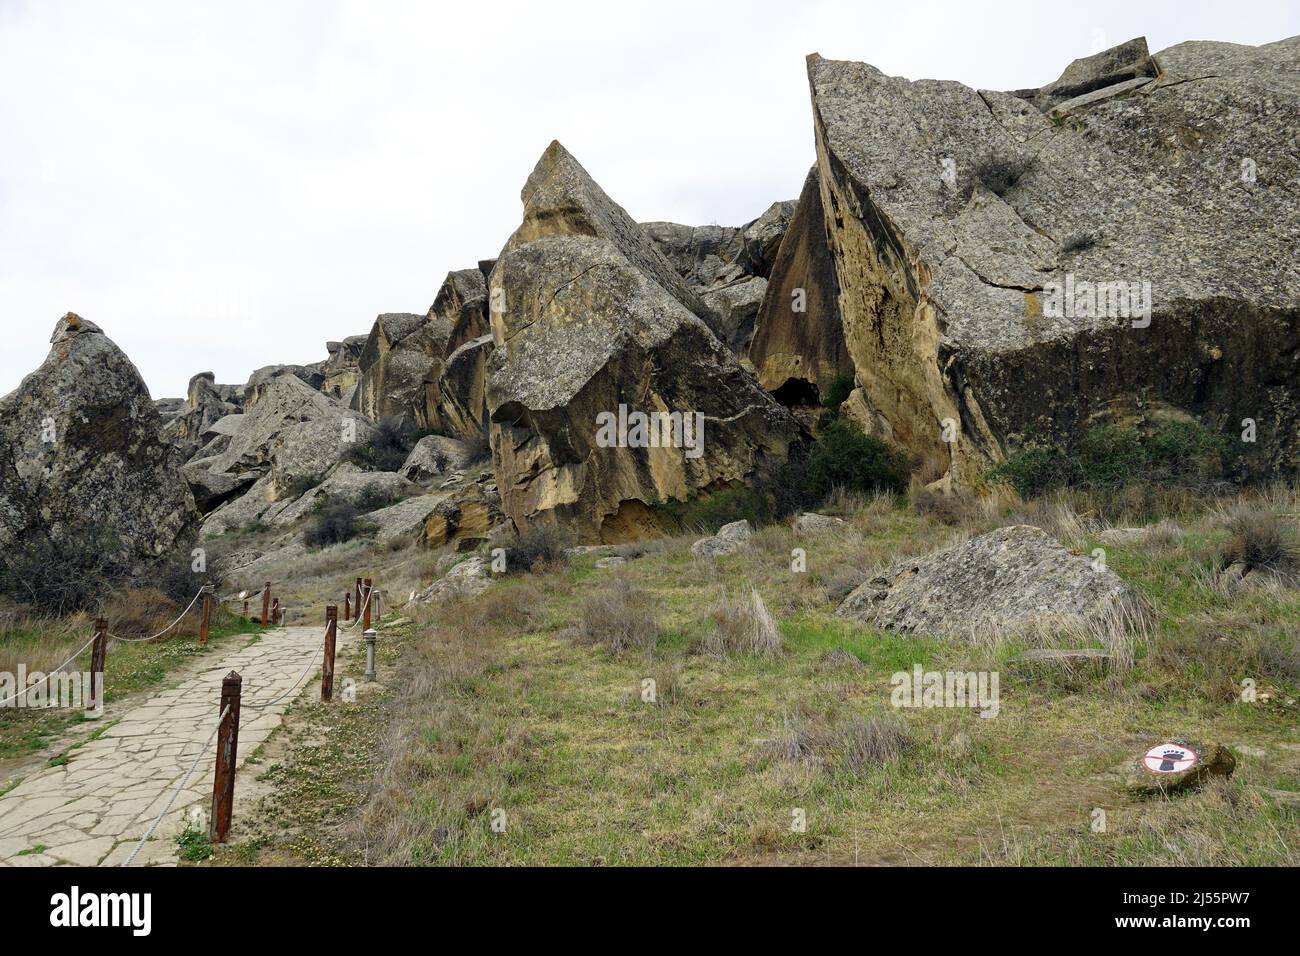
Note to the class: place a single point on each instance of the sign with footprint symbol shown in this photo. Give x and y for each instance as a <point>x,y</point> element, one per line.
<point>1169,758</point>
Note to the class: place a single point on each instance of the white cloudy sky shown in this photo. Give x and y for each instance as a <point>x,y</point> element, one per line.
<point>226,186</point>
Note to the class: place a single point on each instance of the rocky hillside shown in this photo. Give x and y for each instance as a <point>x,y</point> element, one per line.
<point>972,272</point>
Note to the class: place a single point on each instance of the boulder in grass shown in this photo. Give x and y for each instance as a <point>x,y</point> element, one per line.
<point>729,539</point>
<point>1007,581</point>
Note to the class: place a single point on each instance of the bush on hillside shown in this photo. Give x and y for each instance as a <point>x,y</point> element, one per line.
<point>1175,453</point>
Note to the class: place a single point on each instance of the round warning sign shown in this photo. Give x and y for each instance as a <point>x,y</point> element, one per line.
<point>1169,758</point>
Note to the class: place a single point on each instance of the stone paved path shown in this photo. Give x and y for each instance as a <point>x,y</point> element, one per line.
<point>94,809</point>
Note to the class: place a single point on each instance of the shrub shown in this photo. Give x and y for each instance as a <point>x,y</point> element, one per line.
<point>711,511</point>
<point>854,747</point>
<point>620,616</point>
<point>176,577</point>
<point>845,457</point>
<point>537,547</point>
<point>64,577</point>
<point>837,392</point>
<point>1034,470</point>
<point>387,449</point>
<point>952,508</point>
<point>862,745</point>
<point>742,625</point>
<point>1261,540</point>
<point>1108,457</point>
<point>333,524</point>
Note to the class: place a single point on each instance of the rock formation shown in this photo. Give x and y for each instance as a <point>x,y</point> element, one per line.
<point>1024,265</point>
<point>588,322</point>
<point>82,459</point>
<point>798,341</point>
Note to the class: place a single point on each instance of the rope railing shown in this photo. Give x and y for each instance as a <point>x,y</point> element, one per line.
<point>154,637</point>
<point>49,674</point>
<point>176,792</point>
<point>326,644</point>
<point>361,610</point>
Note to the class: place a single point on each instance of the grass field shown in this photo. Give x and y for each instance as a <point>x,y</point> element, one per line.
<point>509,732</point>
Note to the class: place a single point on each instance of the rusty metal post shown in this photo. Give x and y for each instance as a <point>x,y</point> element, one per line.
<point>356,602</point>
<point>347,606</point>
<point>368,589</point>
<point>223,783</point>
<point>207,618</point>
<point>98,652</point>
<point>266,603</point>
<point>327,668</point>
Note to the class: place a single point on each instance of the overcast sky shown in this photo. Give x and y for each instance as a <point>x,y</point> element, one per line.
<point>222,186</point>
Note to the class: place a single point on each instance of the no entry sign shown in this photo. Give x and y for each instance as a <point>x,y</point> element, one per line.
<point>1169,758</point>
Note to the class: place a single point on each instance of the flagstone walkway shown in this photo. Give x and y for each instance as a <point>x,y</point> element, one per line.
<point>94,809</point>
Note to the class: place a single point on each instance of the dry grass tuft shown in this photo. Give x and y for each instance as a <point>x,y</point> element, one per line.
<point>1261,540</point>
<point>854,747</point>
<point>619,617</point>
<point>742,625</point>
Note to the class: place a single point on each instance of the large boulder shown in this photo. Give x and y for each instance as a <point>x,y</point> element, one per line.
<point>435,454</point>
<point>1022,270</point>
<point>704,256</point>
<point>1007,582</point>
<point>82,463</point>
<point>588,335</point>
<point>797,347</point>
<point>312,376</point>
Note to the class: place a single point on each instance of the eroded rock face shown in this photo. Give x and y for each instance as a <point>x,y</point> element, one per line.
<point>293,435</point>
<point>82,455</point>
<point>798,342</point>
<point>1005,582</point>
<point>404,352</point>
<point>206,404</point>
<point>585,330</point>
<point>959,219</point>
<point>343,367</point>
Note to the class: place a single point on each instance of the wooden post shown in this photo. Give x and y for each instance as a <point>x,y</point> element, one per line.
<point>366,587</point>
<point>356,602</point>
<point>266,603</point>
<point>347,606</point>
<point>223,784</point>
<point>245,609</point>
<point>207,618</point>
<point>275,612</point>
<point>327,668</point>
<point>98,651</point>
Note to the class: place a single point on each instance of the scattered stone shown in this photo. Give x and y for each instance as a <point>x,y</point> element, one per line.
<point>811,523</point>
<point>729,539</point>
<point>611,562</point>
<point>470,577</point>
